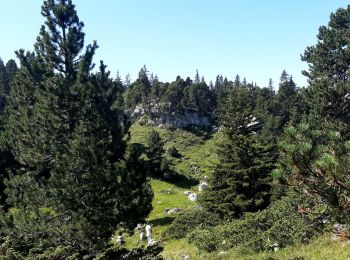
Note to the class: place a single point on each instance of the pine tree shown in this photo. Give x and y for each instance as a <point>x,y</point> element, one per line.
<point>328,74</point>
<point>237,82</point>
<point>288,105</point>
<point>316,162</point>
<point>65,128</point>
<point>314,154</point>
<point>329,58</point>
<point>244,82</point>
<point>270,85</point>
<point>2,76</point>
<point>155,154</point>
<point>127,80</point>
<point>3,79</point>
<point>197,78</point>
<point>139,92</point>
<point>241,181</point>
<point>11,69</point>
<point>7,73</point>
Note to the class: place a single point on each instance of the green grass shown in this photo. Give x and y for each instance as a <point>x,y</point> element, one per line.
<point>198,152</point>
<point>164,199</point>
<point>166,195</point>
<point>322,248</point>
<point>198,159</point>
<point>178,249</point>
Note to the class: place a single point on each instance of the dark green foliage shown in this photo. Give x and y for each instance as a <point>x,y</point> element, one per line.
<point>288,106</point>
<point>173,152</point>
<point>65,127</point>
<point>3,76</point>
<point>241,181</point>
<point>10,250</point>
<point>328,105</point>
<point>205,239</point>
<point>148,253</point>
<point>157,163</point>
<point>328,75</point>
<point>139,91</point>
<point>198,98</point>
<point>8,164</point>
<point>329,59</point>
<point>7,73</point>
<point>177,97</point>
<point>11,69</point>
<point>316,161</point>
<point>195,218</point>
<point>237,83</point>
<point>283,223</point>
<point>221,88</point>
<point>314,155</point>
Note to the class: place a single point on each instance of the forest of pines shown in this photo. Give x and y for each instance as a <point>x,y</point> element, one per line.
<point>71,179</point>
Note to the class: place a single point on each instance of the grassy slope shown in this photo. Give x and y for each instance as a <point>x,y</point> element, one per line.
<point>191,147</point>
<point>320,249</point>
<point>200,159</point>
<point>196,150</point>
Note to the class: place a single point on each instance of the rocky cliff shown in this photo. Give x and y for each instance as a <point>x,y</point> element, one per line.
<point>163,117</point>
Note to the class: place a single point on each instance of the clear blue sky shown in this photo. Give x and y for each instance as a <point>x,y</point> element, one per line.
<point>253,38</point>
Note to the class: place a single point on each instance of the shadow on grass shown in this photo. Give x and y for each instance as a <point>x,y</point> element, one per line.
<point>162,221</point>
<point>181,181</point>
<point>201,131</point>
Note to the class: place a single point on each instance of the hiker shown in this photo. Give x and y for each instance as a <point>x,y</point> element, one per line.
<point>138,227</point>
<point>148,232</point>
<point>142,236</point>
<point>120,239</point>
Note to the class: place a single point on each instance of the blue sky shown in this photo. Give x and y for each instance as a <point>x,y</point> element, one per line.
<point>255,39</point>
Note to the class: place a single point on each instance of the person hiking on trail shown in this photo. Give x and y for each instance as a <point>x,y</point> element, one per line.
<point>142,236</point>
<point>148,231</point>
<point>120,239</point>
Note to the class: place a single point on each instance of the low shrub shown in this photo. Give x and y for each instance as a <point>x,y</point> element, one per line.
<point>188,221</point>
<point>151,252</point>
<point>200,238</point>
<point>280,225</point>
<point>173,152</point>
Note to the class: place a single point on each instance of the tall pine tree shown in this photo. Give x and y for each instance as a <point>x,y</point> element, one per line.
<point>315,154</point>
<point>75,184</point>
<point>241,181</point>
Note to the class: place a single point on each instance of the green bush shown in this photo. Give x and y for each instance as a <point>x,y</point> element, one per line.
<point>190,220</point>
<point>173,152</point>
<point>151,252</point>
<point>279,225</point>
<point>200,238</point>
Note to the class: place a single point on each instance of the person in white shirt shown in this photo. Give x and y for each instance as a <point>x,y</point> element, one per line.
<point>148,232</point>
<point>120,239</point>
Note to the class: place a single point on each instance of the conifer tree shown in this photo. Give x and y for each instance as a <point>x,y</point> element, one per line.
<point>75,184</point>
<point>197,78</point>
<point>241,181</point>
<point>127,80</point>
<point>288,104</point>
<point>155,154</point>
<point>237,82</point>
<point>3,76</point>
<point>328,74</point>
<point>270,85</point>
<point>139,91</point>
<point>316,162</point>
<point>314,154</point>
<point>11,69</point>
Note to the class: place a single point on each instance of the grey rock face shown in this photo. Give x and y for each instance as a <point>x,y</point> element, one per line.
<point>160,117</point>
